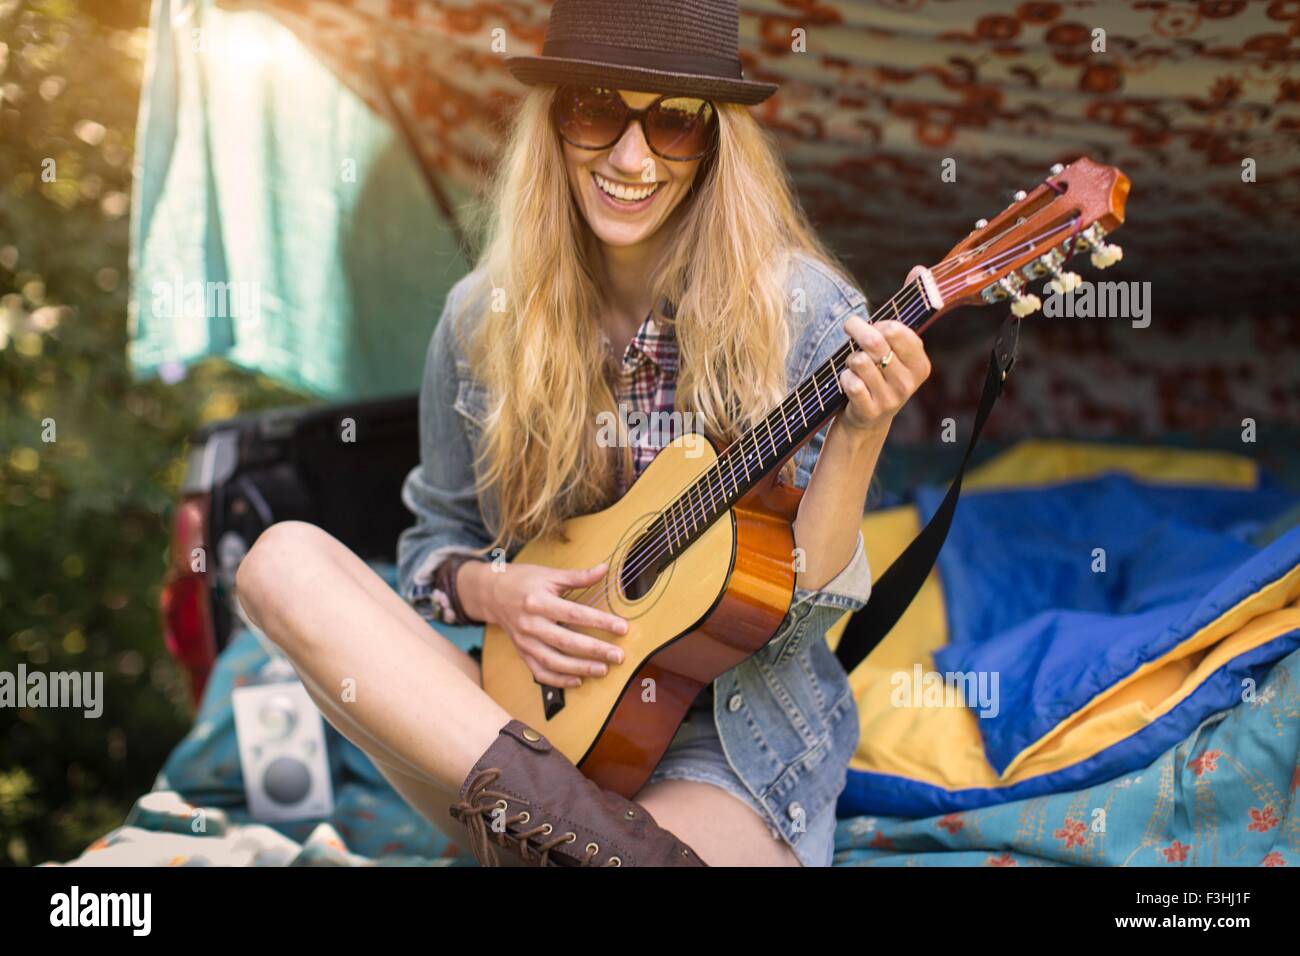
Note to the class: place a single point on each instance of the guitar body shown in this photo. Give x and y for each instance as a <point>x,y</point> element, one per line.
<point>720,601</point>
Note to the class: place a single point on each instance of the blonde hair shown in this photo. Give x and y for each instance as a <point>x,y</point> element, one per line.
<point>538,349</point>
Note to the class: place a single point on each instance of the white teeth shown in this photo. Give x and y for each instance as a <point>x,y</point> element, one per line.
<point>625,193</point>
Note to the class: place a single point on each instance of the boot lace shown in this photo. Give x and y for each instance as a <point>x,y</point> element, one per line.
<point>476,812</point>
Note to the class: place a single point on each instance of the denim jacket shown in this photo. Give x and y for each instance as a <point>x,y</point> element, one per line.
<point>786,717</point>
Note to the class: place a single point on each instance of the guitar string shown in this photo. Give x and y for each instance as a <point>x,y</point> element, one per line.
<point>916,306</point>
<point>665,536</point>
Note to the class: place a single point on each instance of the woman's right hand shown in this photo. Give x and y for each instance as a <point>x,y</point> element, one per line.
<point>525,601</point>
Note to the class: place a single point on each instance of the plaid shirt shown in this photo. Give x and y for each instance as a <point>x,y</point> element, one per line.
<point>646,382</point>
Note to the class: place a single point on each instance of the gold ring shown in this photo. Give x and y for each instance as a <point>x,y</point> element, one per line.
<point>884,362</point>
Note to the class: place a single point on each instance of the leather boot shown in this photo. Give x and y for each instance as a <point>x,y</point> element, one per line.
<point>526,796</point>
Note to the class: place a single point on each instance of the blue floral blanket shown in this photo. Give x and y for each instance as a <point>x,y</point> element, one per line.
<point>1223,796</point>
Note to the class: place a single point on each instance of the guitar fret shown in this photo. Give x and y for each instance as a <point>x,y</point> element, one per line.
<point>694,513</point>
<point>699,496</point>
<point>818,385</point>
<point>835,382</point>
<point>705,504</point>
<point>832,380</point>
<point>689,529</point>
<point>685,532</point>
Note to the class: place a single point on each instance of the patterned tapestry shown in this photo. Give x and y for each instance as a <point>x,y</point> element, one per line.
<point>1198,102</point>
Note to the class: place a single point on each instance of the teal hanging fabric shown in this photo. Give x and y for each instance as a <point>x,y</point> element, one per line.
<point>278,221</point>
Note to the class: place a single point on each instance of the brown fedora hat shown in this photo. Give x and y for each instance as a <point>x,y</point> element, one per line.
<point>654,46</point>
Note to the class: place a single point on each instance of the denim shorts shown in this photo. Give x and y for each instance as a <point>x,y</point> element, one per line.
<point>696,754</point>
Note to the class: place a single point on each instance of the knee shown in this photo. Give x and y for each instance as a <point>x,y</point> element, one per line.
<point>279,562</point>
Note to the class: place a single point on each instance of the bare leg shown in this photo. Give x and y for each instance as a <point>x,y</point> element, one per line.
<point>415,700</point>
<point>392,603</point>
<point>724,831</point>
<point>431,801</point>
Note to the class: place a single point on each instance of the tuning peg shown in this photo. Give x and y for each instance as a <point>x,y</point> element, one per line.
<point>1008,287</point>
<point>1056,169</point>
<point>1019,195</point>
<point>1064,282</point>
<point>1106,255</point>
<point>981,223</point>
<point>1023,305</point>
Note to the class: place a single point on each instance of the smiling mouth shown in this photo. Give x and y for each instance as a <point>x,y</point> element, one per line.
<point>621,192</point>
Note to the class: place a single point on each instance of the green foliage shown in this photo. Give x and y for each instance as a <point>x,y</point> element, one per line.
<point>84,518</point>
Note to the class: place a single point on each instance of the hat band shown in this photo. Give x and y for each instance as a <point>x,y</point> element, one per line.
<point>721,67</point>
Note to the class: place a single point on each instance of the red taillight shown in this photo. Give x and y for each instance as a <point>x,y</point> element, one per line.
<point>186,609</point>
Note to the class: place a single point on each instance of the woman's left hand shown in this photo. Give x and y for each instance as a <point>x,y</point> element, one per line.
<point>876,394</point>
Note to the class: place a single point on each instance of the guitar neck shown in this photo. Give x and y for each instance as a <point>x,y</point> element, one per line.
<point>765,447</point>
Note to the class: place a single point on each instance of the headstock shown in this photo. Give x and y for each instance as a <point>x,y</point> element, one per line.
<point>1072,211</point>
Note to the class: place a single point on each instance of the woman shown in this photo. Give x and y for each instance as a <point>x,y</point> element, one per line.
<point>644,252</point>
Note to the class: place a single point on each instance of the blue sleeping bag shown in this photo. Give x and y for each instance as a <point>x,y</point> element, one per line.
<point>1083,619</point>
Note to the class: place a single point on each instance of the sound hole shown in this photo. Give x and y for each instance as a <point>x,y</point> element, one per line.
<point>642,567</point>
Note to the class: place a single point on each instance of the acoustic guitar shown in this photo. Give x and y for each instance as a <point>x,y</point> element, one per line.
<point>701,547</point>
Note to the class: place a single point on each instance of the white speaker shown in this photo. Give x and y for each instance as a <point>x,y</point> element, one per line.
<point>282,754</point>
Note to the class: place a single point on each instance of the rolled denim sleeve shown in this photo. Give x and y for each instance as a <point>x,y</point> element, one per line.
<point>849,589</point>
<point>813,613</point>
<point>440,492</point>
<point>819,336</point>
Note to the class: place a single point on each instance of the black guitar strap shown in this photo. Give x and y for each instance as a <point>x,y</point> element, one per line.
<point>898,586</point>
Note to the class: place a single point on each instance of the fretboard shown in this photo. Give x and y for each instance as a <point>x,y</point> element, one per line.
<point>765,446</point>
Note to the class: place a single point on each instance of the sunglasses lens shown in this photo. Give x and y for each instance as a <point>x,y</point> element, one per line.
<point>681,127</point>
<point>592,116</point>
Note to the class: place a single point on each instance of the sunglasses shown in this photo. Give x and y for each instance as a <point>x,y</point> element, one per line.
<point>677,128</point>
